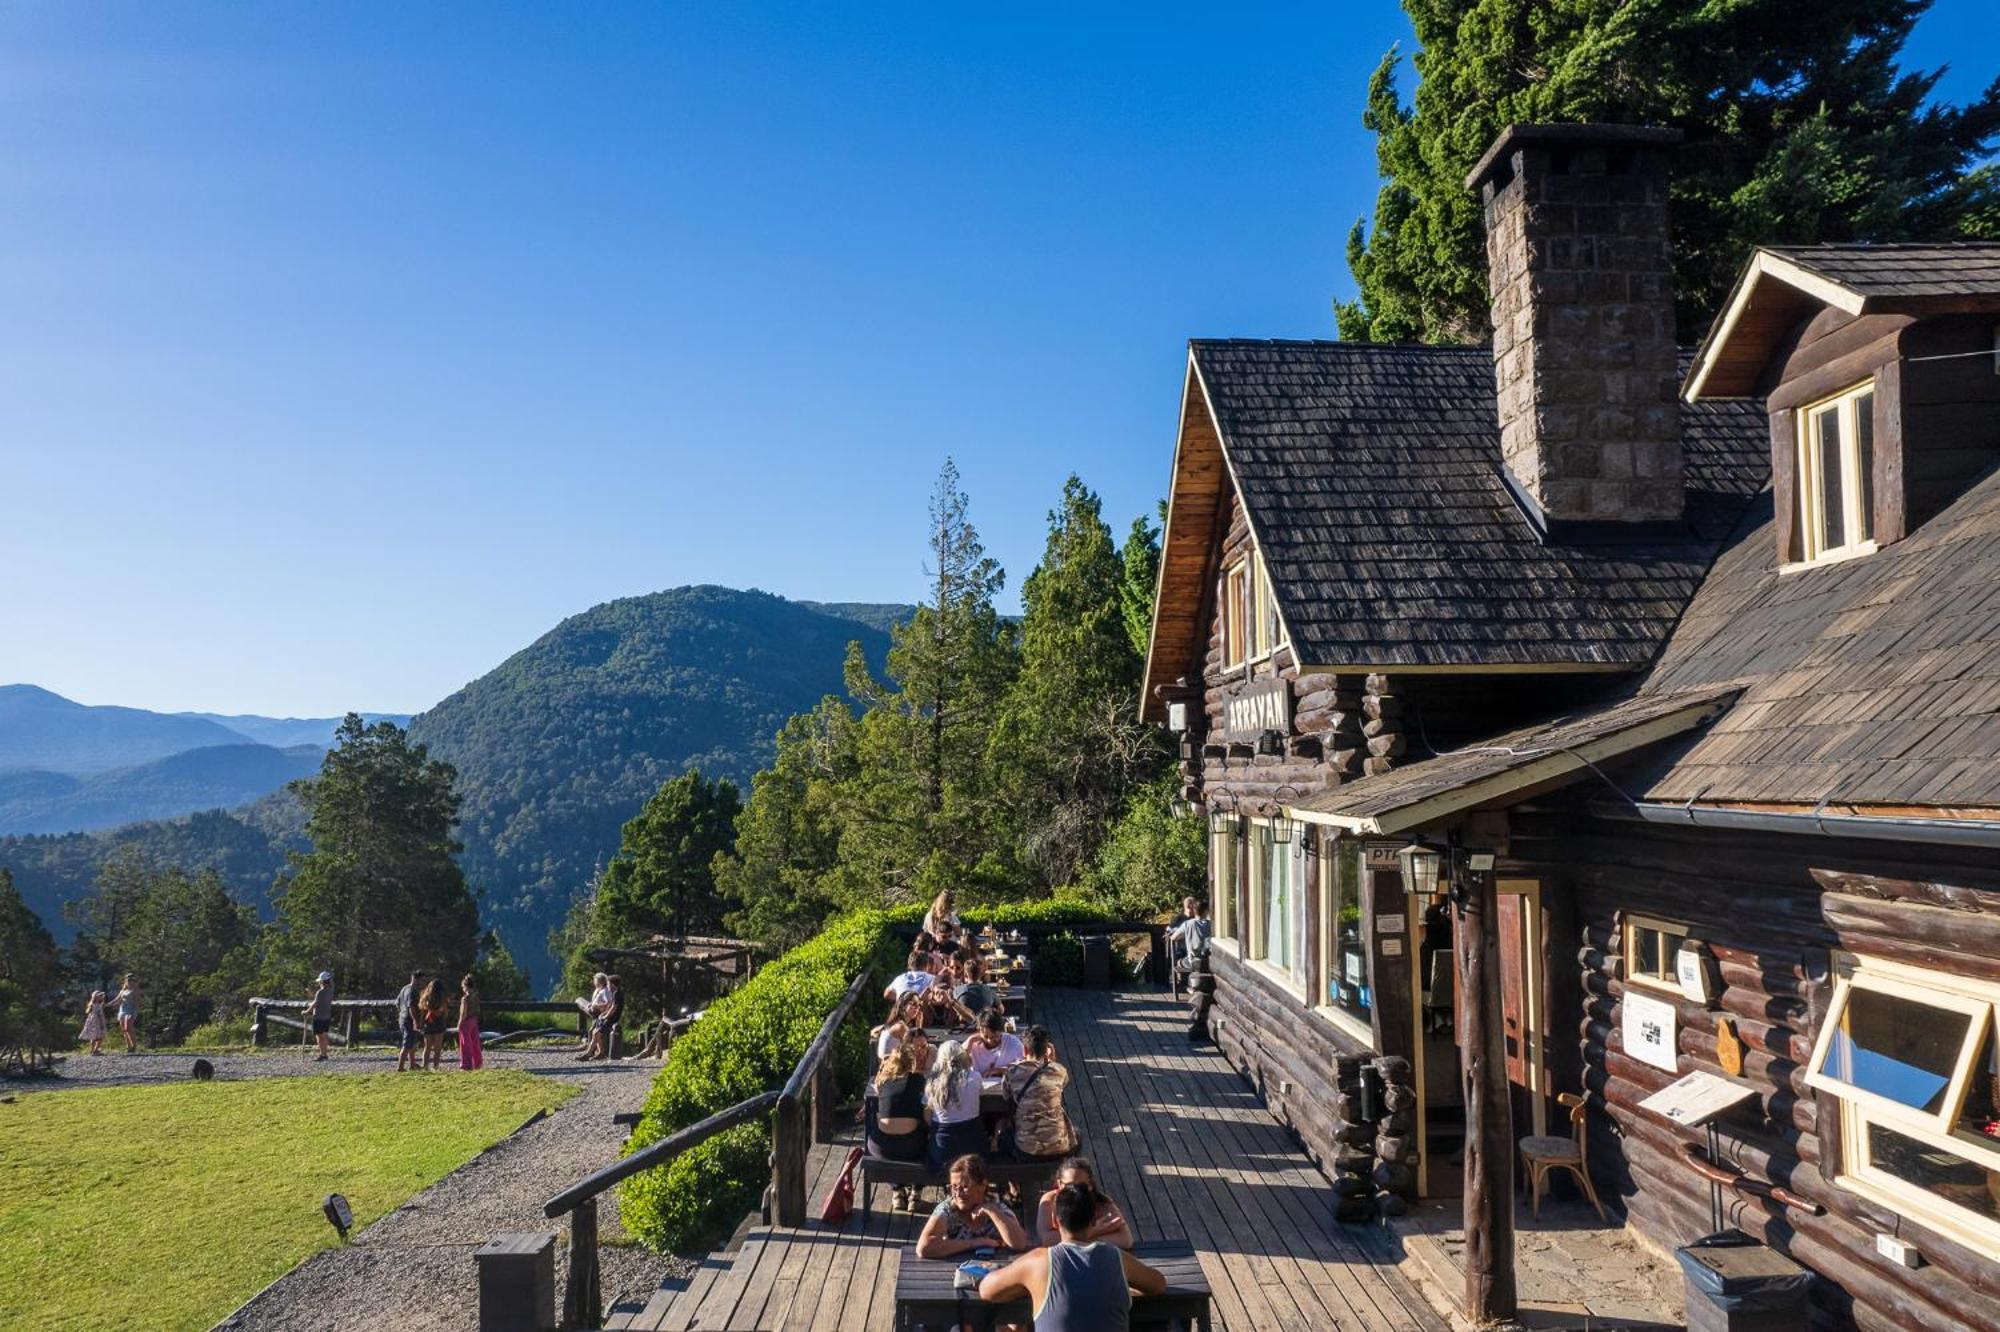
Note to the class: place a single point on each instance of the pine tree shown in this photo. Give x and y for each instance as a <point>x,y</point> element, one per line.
<point>1799,126</point>
<point>380,893</point>
<point>1141,557</point>
<point>1069,749</point>
<point>31,981</point>
<point>662,881</point>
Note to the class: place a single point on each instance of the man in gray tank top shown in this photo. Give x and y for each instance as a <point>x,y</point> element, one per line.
<point>1075,1286</point>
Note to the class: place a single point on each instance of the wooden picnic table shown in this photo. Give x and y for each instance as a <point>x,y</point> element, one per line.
<point>926,1297</point>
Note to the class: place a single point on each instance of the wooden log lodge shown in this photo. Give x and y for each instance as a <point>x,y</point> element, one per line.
<point>1584,712</point>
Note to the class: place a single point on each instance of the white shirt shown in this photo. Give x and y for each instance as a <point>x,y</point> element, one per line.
<point>886,1042</point>
<point>963,1102</point>
<point>911,982</point>
<point>989,1062</point>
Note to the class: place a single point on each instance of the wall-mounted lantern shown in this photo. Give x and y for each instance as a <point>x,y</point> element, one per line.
<point>1420,869</point>
<point>1177,718</point>
<point>1181,807</point>
<point>1271,743</point>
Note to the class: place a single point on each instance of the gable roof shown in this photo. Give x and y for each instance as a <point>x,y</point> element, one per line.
<point>1782,284</point>
<point>1871,682</point>
<point>1370,477</point>
<point>1509,765</point>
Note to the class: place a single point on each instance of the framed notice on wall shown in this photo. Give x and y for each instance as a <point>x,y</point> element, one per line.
<point>1649,1030</point>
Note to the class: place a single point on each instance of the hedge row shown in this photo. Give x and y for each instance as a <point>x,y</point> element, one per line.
<point>748,1042</point>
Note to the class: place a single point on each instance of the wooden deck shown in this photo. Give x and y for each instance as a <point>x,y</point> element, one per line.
<point>1179,1139</point>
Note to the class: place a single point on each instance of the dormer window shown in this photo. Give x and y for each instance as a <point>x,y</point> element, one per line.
<point>1836,493</point>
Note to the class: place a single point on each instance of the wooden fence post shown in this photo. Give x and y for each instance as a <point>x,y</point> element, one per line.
<point>788,1163</point>
<point>256,1024</point>
<point>1489,1131</point>
<point>353,1028</point>
<point>583,1301</point>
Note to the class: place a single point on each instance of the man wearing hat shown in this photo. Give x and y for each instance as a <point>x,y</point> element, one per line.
<point>322,1012</point>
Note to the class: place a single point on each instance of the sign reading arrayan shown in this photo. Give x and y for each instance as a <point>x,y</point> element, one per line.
<point>1265,705</point>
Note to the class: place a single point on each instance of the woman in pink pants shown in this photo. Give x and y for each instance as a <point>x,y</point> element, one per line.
<point>469,1053</point>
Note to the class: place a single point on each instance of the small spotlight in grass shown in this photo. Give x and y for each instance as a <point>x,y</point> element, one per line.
<point>339,1213</point>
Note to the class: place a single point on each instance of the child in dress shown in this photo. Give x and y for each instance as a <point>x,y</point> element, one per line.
<point>93,1022</point>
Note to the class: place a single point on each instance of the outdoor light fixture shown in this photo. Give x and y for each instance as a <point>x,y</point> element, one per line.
<point>1283,826</point>
<point>1180,807</point>
<point>1420,869</point>
<point>338,1213</point>
<point>1177,717</point>
<point>1479,862</point>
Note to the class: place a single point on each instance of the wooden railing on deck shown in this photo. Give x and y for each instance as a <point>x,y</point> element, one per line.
<point>802,1114</point>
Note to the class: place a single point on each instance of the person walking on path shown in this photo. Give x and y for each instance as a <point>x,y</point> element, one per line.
<point>93,1022</point>
<point>408,1024</point>
<point>322,1013</point>
<point>128,1013</point>
<point>471,1054</point>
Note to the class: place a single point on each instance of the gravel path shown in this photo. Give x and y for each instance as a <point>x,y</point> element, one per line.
<point>412,1270</point>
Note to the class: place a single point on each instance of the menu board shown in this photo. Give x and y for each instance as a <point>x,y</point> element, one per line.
<point>1697,1098</point>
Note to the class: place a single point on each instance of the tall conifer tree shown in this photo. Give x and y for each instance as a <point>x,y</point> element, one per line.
<point>1800,128</point>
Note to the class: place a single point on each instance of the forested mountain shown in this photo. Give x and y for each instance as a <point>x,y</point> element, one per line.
<point>564,741</point>
<point>247,848</point>
<point>43,730</point>
<point>877,615</point>
<point>218,777</point>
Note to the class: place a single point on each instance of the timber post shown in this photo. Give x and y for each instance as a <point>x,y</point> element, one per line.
<point>256,1024</point>
<point>822,1102</point>
<point>583,1302</point>
<point>1489,1140</point>
<point>354,1028</point>
<point>788,1163</point>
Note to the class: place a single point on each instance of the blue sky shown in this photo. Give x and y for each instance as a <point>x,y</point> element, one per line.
<point>345,349</point>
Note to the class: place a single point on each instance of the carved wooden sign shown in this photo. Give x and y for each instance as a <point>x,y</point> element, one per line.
<point>1265,705</point>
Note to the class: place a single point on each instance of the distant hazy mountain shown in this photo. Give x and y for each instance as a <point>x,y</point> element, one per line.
<point>42,730</point>
<point>284,732</point>
<point>215,777</point>
<point>561,743</point>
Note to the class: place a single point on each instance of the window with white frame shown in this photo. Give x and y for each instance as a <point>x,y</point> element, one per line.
<point>1836,492</point>
<point>1911,1056</point>
<point>1225,850</point>
<point>1343,955</point>
<point>1652,952</point>
<point>1251,629</point>
<point>1275,902</point>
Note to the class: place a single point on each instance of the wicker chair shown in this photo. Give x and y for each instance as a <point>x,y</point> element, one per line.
<point>1543,1153</point>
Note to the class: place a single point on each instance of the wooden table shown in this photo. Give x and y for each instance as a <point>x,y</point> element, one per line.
<point>925,1296</point>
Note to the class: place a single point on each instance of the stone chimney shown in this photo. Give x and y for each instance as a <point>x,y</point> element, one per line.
<point>1583,324</point>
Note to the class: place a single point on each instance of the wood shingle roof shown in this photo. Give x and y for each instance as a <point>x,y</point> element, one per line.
<point>1370,477</point>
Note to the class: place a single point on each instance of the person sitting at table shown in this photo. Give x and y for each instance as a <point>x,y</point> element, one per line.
<point>951,1103</point>
<point>1034,1087</point>
<point>908,1016</point>
<point>970,1217</point>
<point>896,1129</point>
<point>1110,1226</point>
<point>975,983</point>
<point>994,1048</point>
<point>1076,1284</point>
<point>941,1006</point>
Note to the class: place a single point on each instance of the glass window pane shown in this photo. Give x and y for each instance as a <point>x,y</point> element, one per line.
<point>1347,977</point>
<point>1864,481</point>
<point>1970,1184</point>
<point>1832,497</point>
<point>1901,1049</point>
<point>1278,904</point>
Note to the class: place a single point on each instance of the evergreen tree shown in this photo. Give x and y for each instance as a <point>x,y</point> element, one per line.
<point>782,869</point>
<point>1141,557</point>
<point>32,1023</point>
<point>192,947</point>
<point>380,893</point>
<point>1069,748</point>
<point>662,881</point>
<point>1800,128</point>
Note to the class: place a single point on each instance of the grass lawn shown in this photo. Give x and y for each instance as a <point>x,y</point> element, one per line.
<point>168,1206</point>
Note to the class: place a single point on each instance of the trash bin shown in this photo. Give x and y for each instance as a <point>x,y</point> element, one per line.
<point>1097,961</point>
<point>1735,1284</point>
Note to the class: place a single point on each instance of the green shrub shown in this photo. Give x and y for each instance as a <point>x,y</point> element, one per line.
<point>231,1031</point>
<point>1058,961</point>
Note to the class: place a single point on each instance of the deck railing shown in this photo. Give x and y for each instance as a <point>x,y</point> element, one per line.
<point>265,1011</point>
<point>801,1114</point>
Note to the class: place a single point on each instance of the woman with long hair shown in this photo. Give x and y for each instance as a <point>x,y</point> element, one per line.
<point>471,1053</point>
<point>93,1022</point>
<point>951,1103</point>
<point>432,1005</point>
<point>1109,1223</point>
<point>128,1012</point>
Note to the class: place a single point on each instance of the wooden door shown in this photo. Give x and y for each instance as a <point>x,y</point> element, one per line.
<point>1523,1006</point>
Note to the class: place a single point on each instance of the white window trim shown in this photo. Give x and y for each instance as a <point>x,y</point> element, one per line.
<point>1284,980</point>
<point>1222,896</point>
<point>1857,1173</point>
<point>1653,984</point>
<point>1257,595</point>
<point>1348,1024</point>
<point>1233,615</point>
<point>1810,505</point>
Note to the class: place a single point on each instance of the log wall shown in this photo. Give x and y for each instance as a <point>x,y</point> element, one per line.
<point>1771,908</point>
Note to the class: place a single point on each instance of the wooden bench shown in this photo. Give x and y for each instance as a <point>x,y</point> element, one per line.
<point>1032,1176</point>
<point>926,1295</point>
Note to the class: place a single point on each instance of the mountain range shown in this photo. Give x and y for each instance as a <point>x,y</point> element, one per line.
<point>556,748</point>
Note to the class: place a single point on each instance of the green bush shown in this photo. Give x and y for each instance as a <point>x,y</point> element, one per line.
<point>230,1031</point>
<point>747,1042</point>
<point>1058,960</point>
